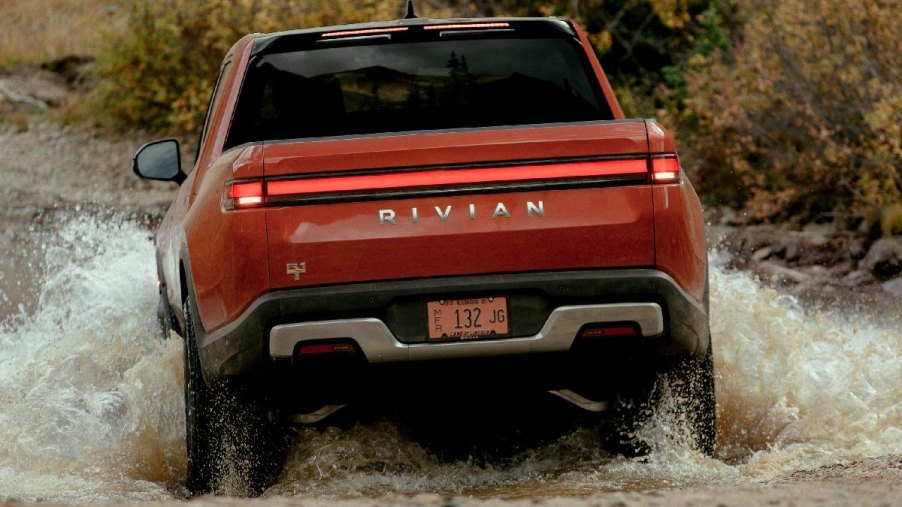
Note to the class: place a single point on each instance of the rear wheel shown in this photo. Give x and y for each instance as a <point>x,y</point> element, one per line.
<point>234,445</point>
<point>165,317</point>
<point>683,389</point>
<point>702,406</point>
<point>199,413</point>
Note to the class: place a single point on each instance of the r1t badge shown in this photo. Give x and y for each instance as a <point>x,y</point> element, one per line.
<point>296,269</point>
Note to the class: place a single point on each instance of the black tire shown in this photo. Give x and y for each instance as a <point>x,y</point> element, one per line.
<point>702,406</point>
<point>691,382</point>
<point>199,411</point>
<point>165,317</point>
<point>235,446</point>
<point>633,409</point>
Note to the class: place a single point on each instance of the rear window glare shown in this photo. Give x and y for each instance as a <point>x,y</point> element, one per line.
<point>381,86</point>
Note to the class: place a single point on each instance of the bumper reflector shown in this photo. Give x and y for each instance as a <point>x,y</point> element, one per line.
<point>592,331</point>
<point>327,348</point>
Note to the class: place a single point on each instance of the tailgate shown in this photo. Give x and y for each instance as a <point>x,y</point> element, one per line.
<point>458,203</point>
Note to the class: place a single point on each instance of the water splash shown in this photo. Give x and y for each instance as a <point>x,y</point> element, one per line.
<point>801,387</point>
<point>92,404</point>
<point>84,380</point>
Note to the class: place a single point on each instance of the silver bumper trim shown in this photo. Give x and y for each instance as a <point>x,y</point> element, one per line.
<point>379,345</point>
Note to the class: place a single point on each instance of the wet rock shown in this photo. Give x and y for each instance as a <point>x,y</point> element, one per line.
<point>714,215</point>
<point>29,87</point>
<point>841,269</point>
<point>759,236</point>
<point>733,217</point>
<point>792,250</point>
<point>884,259</point>
<point>777,273</point>
<point>762,254</point>
<point>894,287</point>
<point>858,277</point>
<point>857,249</point>
<point>817,271</point>
<point>818,234</point>
<point>74,69</point>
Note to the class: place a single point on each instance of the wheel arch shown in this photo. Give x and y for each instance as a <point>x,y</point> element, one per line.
<point>185,287</point>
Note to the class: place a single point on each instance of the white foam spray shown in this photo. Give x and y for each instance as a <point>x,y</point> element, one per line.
<point>88,390</point>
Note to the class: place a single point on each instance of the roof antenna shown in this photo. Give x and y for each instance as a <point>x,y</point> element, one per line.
<point>410,14</point>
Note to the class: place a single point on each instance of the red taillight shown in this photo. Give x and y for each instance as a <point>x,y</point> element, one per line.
<point>327,348</point>
<point>443,177</point>
<point>244,194</point>
<point>467,26</point>
<point>665,170</point>
<point>592,331</point>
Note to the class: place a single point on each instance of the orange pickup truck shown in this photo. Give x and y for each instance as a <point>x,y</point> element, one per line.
<point>403,209</point>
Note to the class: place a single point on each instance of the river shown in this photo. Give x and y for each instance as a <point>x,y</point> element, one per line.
<point>92,405</point>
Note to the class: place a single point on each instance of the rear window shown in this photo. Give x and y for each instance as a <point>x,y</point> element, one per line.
<point>430,85</point>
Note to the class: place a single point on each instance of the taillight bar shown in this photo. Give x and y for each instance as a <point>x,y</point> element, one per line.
<point>450,177</point>
<point>253,193</point>
<point>467,26</point>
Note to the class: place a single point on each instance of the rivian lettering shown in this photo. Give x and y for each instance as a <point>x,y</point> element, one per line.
<point>391,217</point>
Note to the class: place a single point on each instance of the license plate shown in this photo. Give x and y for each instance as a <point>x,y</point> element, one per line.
<point>467,319</point>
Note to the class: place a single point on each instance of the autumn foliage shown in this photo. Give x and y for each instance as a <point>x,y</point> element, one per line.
<point>803,115</point>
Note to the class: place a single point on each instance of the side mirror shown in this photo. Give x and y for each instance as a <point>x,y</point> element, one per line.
<point>159,160</point>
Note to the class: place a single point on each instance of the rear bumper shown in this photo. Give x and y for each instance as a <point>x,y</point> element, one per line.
<point>671,321</point>
<point>379,345</point>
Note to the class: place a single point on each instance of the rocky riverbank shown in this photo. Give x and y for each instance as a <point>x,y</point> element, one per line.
<point>824,263</point>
